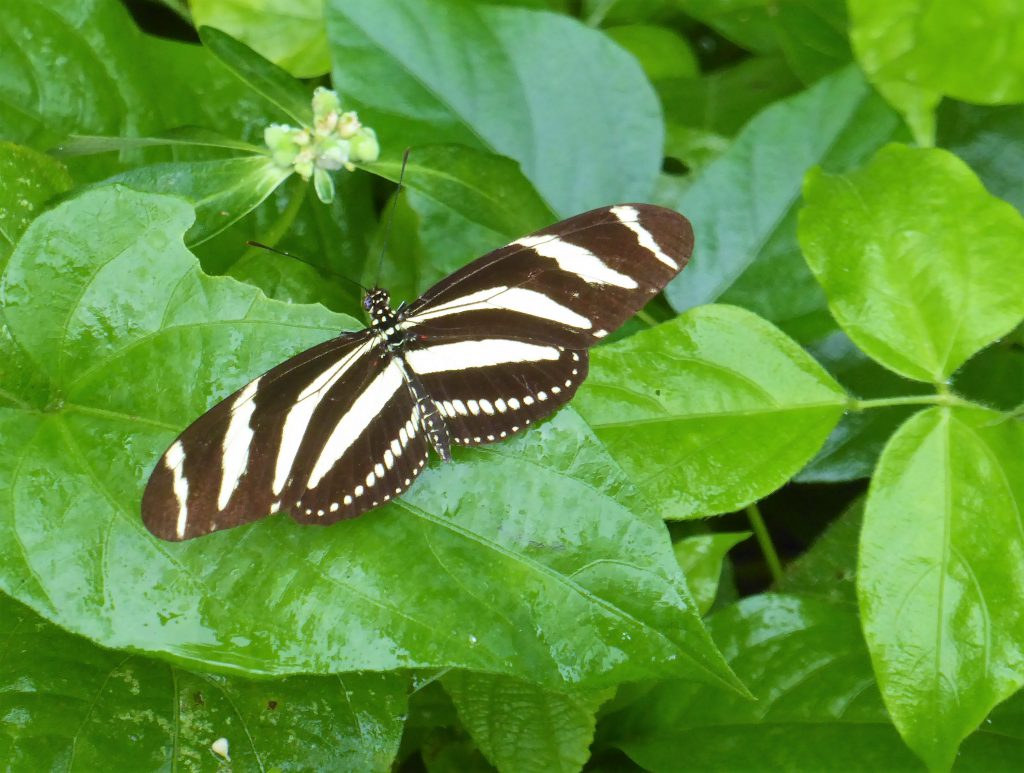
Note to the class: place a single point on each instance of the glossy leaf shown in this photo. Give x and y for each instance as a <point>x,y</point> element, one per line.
<point>941,574</point>
<point>290,33</point>
<point>481,76</point>
<point>222,191</point>
<point>709,412</point>
<point>30,180</point>
<point>486,189</point>
<point>136,342</point>
<point>264,77</point>
<point>521,728</point>
<point>744,205</point>
<point>913,42</point>
<point>106,92</point>
<point>916,258</point>
<point>71,705</point>
<point>817,705</point>
<point>701,557</point>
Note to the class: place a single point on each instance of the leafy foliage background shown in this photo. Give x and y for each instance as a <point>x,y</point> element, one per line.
<point>780,526</point>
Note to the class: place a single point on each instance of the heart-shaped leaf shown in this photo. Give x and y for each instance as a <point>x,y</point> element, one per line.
<point>522,559</point>
<point>918,260</point>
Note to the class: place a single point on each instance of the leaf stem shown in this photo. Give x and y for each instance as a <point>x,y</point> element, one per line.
<point>764,539</point>
<point>600,11</point>
<point>943,398</point>
<point>646,318</point>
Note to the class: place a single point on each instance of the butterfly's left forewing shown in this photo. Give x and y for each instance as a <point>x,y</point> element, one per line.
<point>236,463</point>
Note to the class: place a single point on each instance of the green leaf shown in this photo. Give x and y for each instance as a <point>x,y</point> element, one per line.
<point>519,727</point>
<point>134,342</point>
<point>940,576</point>
<point>85,145</point>
<point>916,258</point>
<point>852,449</point>
<point>970,51</point>
<point>701,557</point>
<point>745,22</point>
<point>721,102</point>
<point>991,141</point>
<point>30,180</point>
<point>662,52</point>
<point>70,705</point>
<point>222,191</point>
<point>816,698</point>
<point>264,77</point>
<point>828,569</point>
<point>743,207</point>
<point>710,411</point>
<point>812,35</point>
<point>107,92</point>
<point>428,72</point>
<point>290,33</point>
<point>485,189</point>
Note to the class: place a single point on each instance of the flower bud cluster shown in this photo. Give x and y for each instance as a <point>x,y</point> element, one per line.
<point>336,139</point>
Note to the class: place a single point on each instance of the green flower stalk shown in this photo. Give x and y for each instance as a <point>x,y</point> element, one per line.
<point>336,140</point>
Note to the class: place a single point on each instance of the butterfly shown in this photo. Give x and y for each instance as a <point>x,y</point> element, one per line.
<point>347,425</point>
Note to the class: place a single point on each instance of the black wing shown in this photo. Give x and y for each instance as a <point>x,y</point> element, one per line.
<point>503,341</point>
<point>252,454</point>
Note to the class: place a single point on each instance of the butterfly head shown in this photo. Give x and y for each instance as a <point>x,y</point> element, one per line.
<point>378,304</point>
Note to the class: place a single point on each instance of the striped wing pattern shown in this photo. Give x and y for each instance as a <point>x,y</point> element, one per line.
<point>347,425</point>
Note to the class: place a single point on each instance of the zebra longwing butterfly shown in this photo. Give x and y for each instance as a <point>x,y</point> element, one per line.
<point>347,425</point>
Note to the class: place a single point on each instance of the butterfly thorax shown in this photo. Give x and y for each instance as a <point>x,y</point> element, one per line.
<point>385,321</point>
<point>387,324</point>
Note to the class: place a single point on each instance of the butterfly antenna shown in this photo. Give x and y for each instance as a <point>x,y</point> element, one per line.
<point>321,269</point>
<point>391,215</point>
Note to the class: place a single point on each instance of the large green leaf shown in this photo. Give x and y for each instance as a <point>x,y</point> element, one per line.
<point>427,72</point>
<point>104,89</point>
<point>818,707</point>
<point>917,50</point>
<point>941,574</point>
<point>70,705</point>
<point>743,207</point>
<point>711,411</point>
<point>918,261</point>
<point>521,728</point>
<point>30,180</point>
<point>135,341</point>
<point>289,33</point>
